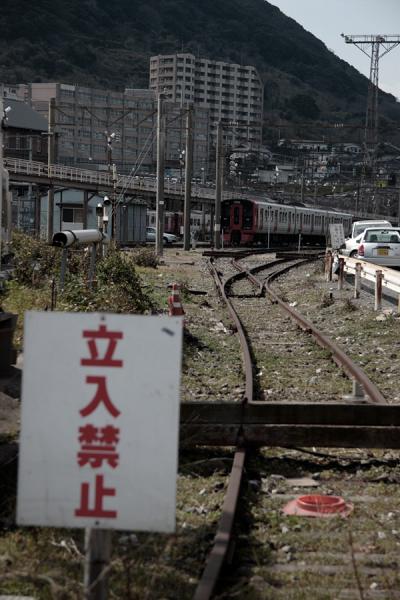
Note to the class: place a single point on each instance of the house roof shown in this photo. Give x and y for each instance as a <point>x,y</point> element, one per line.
<point>22,116</point>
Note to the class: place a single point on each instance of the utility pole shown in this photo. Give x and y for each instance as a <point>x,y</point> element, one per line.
<point>114,203</point>
<point>302,185</point>
<point>30,195</point>
<point>219,173</point>
<point>398,210</point>
<point>188,177</point>
<point>38,201</point>
<point>51,145</point>
<point>160,175</point>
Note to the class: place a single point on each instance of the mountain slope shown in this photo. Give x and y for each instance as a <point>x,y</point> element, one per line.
<point>108,44</point>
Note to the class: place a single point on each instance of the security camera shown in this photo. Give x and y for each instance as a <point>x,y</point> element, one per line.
<point>106,201</point>
<point>7,109</point>
<point>67,238</point>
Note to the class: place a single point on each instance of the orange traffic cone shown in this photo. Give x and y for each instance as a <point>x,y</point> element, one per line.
<point>175,303</point>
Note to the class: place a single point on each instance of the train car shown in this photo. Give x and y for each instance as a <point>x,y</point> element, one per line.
<point>200,223</point>
<point>261,221</point>
<point>172,221</point>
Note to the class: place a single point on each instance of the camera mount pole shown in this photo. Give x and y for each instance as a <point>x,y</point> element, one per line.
<point>1,173</point>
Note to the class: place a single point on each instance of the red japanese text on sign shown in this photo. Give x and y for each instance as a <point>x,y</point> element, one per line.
<point>101,396</point>
<point>102,334</point>
<point>100,493</point>
<point>98,445</point>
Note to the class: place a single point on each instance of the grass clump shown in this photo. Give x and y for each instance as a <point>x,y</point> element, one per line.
<point>349,306</point>
<point>327,300</point>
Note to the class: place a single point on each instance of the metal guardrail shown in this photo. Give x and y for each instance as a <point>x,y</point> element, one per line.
<point>390,278</point>
<point>99,179</point>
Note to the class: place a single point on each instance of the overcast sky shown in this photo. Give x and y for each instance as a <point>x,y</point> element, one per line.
<point>327,19</point>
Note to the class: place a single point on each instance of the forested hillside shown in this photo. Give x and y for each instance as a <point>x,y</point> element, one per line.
<point>108,44</point>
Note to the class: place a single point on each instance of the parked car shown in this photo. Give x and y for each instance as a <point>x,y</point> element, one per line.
<point>358,228</point>
<point>168,238</point>
<point>380,246</point>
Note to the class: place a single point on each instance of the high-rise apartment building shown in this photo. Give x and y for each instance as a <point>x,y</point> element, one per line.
<point>96,127</point>
<point>233,93</point>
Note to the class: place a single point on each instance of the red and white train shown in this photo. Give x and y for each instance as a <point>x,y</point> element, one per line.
<point>246,222</point>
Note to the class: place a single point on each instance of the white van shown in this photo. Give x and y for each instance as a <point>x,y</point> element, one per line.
<point>360,226</point>
<point>358,229</point>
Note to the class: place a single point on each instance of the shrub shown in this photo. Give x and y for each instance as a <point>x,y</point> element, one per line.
<point>145,257</point>
<point>31,254</point>
<point>119,287</point>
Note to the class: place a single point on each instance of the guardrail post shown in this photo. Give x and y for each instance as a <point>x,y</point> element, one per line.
<point>378,289</point>
<point>357,280</point>
<point>341,273</point>
<point>328,265</point>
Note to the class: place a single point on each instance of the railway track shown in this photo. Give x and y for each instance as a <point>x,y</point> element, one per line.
<point>292,434</point>
<point>330,558</point>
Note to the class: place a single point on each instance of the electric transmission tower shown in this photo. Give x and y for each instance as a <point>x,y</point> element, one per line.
<point>375,47</point>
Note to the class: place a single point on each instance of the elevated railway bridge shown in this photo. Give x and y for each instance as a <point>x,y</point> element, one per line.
<point>101,182</point>
<point>129,186</point>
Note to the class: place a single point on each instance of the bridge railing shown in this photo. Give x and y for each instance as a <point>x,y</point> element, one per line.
<point>127,183</point>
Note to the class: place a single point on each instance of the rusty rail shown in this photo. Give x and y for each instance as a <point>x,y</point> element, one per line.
<point>222,539</point>
<point>351,369</point>
<point>223,536</point>
<point>340,358</point>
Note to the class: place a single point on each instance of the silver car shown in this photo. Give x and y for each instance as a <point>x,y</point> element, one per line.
<point>352,243</point>
<point>380,246</point>
<point>168,238</point>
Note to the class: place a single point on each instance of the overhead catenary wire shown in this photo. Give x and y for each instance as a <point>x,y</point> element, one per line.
<point>135,168</point>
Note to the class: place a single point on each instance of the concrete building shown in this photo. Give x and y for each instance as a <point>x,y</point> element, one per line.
<point>24,137</point>
<point>233,93</point>
<point>304,145</point>
<point>96,128</point>
<point>24,132</point>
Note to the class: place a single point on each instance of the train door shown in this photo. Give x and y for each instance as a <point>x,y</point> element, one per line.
<point>236,223</point>
<point>236,216</point>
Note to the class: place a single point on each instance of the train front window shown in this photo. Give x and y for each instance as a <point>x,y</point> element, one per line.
<point>236,215</point>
